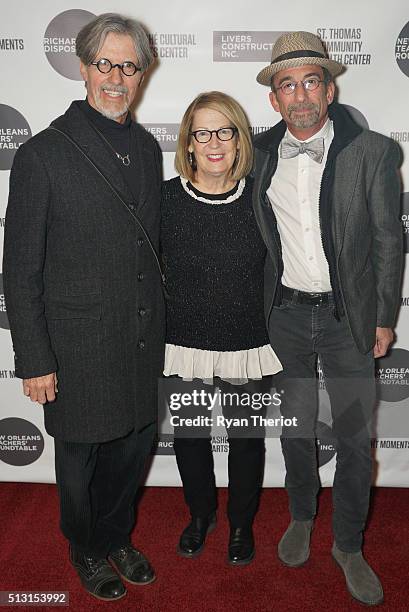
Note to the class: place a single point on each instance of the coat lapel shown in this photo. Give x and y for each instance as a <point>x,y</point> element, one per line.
<point>347,169</point>
<point>346,156</point>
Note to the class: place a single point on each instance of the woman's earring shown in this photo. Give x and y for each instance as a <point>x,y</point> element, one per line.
<point>190,158</point>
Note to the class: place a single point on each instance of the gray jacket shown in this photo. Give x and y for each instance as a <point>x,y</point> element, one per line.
<point>359,214</point>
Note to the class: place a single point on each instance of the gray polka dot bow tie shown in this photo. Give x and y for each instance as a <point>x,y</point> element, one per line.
<point>314,149</point>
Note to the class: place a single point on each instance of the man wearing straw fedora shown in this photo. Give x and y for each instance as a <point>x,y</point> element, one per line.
<point>326,197</point>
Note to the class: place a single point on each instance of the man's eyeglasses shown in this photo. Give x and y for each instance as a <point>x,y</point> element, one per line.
<point>310,84</point>
<point>222,134</point>
<point>105,66</point>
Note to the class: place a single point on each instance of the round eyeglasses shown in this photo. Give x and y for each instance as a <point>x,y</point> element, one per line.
<point>222,134</point>
<point>310,84</point>
<point>105,66</point>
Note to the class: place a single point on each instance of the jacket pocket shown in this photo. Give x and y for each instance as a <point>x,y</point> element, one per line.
<point>87,306</point>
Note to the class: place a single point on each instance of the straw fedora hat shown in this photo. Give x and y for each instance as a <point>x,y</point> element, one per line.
<point>297,49</point>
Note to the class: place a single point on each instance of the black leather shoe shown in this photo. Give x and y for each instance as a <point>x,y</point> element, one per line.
<point>241,546</point>
<point>193,538</point>
<point>97,576</point>
<point>132,565</point>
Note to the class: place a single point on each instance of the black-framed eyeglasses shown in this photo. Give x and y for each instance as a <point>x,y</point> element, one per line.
<point>105,66</point>
<point>222,134</point>
<point>310,84</point>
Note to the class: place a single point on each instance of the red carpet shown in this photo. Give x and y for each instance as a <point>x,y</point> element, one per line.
<point>33,556</point>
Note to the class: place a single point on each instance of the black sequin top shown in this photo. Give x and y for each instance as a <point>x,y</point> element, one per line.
<point>213,256</point>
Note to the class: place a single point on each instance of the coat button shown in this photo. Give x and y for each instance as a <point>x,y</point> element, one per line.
<point>142,312</point>
<point>132,206</point>
<point>141,344</point>
<point>141,276</point>
<point>140,241</point>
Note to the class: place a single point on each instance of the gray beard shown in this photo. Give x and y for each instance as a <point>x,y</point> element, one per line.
<point>112,114</point>
<point>109,114</point>
<point>304,121</point>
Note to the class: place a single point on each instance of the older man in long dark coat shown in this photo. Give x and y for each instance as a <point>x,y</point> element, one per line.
<point>84,294</point>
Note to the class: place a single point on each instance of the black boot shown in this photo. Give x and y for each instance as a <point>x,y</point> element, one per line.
<point>193,538</point>
<point>241,546</point>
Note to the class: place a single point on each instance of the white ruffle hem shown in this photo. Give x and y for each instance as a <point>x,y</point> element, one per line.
<point>237,367</point>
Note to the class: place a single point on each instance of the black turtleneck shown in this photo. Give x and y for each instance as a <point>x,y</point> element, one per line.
<point>118,136</point>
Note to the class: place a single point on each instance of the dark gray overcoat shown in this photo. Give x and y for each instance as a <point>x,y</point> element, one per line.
<point>82,284</point>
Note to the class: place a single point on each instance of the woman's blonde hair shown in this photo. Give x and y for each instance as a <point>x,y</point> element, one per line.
<point>225,104</point>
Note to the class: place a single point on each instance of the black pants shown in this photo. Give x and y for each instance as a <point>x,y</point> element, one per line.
<point>245,470</point>
<point>298,334</point>
<point>97,484</point>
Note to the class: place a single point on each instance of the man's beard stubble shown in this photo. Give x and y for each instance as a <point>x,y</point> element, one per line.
<point>306,119</point>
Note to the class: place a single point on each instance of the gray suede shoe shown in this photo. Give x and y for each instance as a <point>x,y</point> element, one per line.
<point>294,546</point>
<point>362,582</point>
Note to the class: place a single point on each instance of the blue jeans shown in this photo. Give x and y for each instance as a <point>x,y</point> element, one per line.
<point>299,333</point>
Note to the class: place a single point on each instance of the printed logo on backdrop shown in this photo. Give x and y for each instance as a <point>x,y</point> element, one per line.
<point>243,46</point>
<point>163,445</point>
<point>326,443</point>
<point>220,444</point>
<point>59,42</point>
<point>400,136</point>
<point>14,131</point>
<point>165,133</point>
<point>405,219</point>
<point>390,444</point>
<point>392,373</point>
<point>21,442</point>
<point>345,45</point>
<point>4,322</point>
<point>11,44</point>
<point>173,45</point>
<point>402,50</point>
<point>7,374</point>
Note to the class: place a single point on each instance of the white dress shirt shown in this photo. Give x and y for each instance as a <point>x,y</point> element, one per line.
<point>294,196</point>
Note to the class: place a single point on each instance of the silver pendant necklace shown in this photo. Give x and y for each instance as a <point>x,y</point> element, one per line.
<point>125,159</point>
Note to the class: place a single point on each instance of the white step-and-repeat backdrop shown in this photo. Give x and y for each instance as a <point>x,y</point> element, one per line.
<point>203,46</point>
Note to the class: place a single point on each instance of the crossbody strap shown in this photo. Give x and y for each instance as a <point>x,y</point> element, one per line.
<point>117,194</point>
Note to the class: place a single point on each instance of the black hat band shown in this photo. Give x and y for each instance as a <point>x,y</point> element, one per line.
<point>295,54</point>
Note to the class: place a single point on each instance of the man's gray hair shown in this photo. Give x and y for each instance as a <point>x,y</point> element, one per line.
<point>92,36</point>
